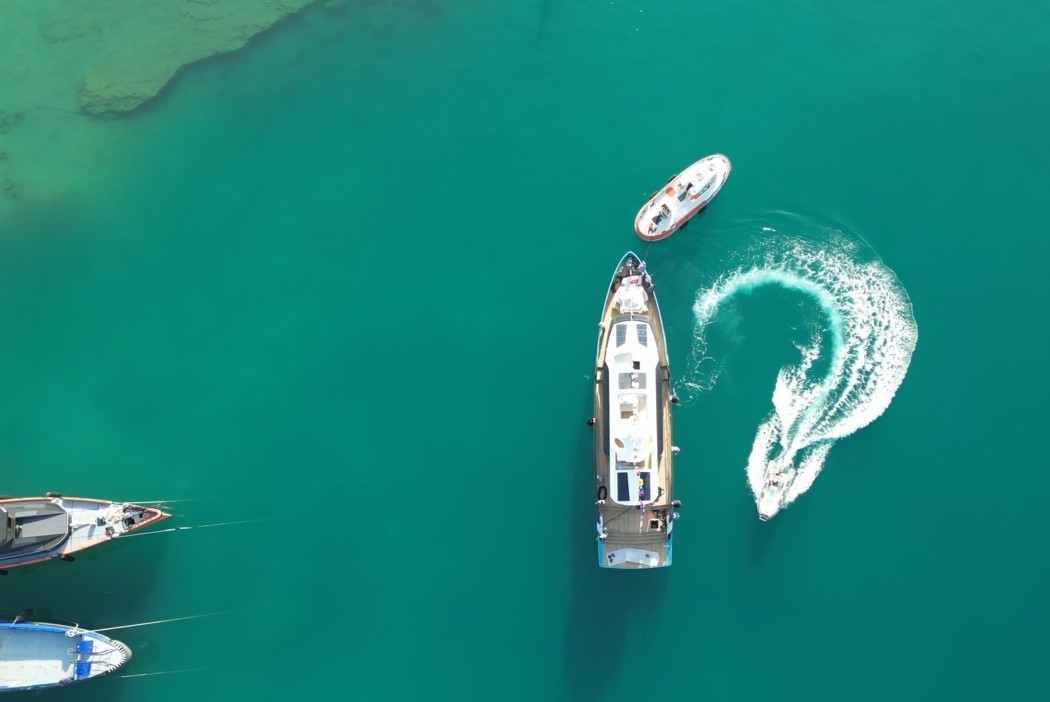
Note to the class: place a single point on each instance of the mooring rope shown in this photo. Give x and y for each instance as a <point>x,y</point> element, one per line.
<point>187,528</point>
<point>164,621</point>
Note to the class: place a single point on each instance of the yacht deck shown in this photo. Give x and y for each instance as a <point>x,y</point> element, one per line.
<point>633,450</point>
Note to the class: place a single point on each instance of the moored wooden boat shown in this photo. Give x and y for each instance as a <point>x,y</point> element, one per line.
<point>34,529</point>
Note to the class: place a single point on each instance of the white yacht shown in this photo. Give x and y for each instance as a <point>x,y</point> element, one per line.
<point>632,426</point>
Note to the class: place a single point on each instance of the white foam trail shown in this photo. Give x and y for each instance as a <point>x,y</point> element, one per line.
<point>870,333</point>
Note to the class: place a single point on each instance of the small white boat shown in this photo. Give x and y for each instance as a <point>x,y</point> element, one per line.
<point>685,194</point>
<point>775,486</point>
<point>36,655</point>
<point>34,529</point>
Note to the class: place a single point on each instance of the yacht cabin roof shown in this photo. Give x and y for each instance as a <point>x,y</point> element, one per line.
<point>632,363</point>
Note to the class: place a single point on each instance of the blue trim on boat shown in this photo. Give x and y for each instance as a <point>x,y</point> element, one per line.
<point>33,626</point>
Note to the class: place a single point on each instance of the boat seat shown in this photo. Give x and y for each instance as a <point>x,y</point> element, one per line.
<point>82,669</point>
<point>85,646</point>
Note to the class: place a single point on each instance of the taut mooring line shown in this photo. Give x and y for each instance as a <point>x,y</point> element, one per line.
<point>163,672</point>
<point>164,621</point>
<point>187,528</point>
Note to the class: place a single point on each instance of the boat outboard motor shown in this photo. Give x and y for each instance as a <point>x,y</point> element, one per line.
<point>22,616</point>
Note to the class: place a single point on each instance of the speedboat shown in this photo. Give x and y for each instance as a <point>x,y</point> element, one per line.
<point>685,194</point>
<point>36,655</point>
<point>632,426</point>
<point>34,529</point>
<point>774,492</point>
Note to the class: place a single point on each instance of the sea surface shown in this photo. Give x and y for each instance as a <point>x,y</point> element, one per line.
<point>346,284</point>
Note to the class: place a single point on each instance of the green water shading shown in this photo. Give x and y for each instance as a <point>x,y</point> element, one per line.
<point>348,284</point>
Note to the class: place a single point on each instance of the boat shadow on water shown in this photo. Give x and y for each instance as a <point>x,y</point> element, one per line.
<point>762,535</point>
<point>606,605</point>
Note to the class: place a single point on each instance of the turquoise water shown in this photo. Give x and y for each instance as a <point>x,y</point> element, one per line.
<point>349,287</point>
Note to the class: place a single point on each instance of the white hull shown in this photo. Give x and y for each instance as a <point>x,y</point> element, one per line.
<point>35,529</point>
<point>40,655</point>
<point>775,490</point>
<point>684,195</point>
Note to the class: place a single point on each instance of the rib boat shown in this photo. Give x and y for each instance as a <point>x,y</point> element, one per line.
<point>36,655</point>
<point>774,491</point>
<point>632,426</point>
<point>34,529</point>
<point>685,194</point>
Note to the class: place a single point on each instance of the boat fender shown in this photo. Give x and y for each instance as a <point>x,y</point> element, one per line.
<point>676,504</point>
<point>674,399</point>
<point>603,493</point>
<point>590,422</point>
<point>67,558</point>
<point>3,572</point>
<point>675,450</point>
<point>52,494</point>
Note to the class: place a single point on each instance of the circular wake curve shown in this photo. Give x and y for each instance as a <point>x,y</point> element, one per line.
<point>869,332</point>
